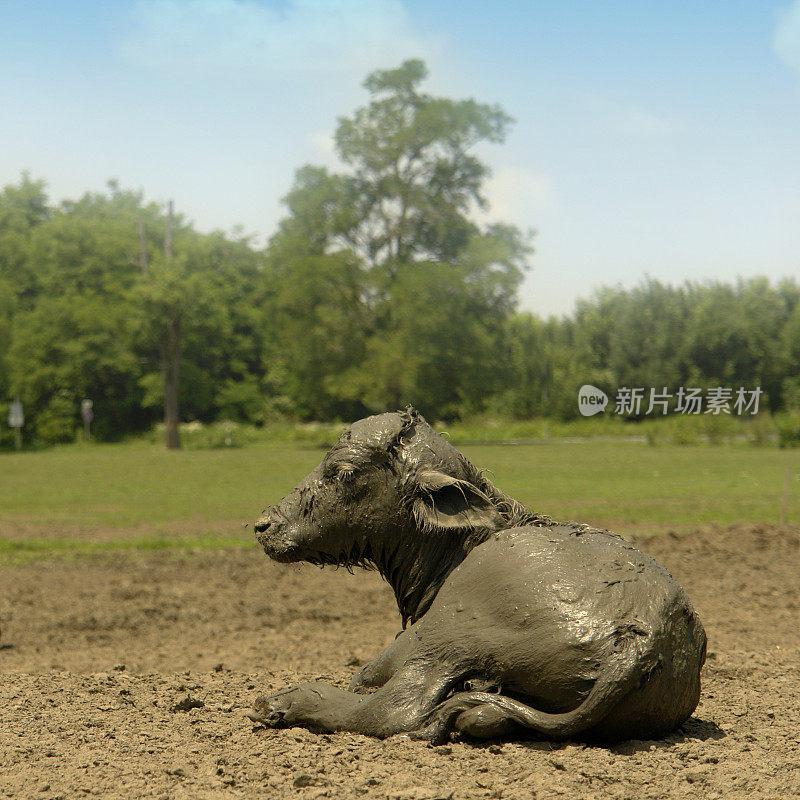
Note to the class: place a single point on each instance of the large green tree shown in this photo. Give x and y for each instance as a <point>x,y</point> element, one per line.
<point>23,207</point>
<point>68,267</point>
<point>428,288</point>
<point>91,306</point>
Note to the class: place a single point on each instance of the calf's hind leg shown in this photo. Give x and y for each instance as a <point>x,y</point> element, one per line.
<point>484,722</point>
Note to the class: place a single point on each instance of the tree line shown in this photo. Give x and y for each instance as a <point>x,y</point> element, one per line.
<point>378,289</point>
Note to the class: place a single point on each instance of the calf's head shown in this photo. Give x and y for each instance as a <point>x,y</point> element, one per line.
<point>392,494</point>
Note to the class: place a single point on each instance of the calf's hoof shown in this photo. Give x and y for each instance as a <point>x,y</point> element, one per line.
<point>262,714</point>
<point>273,711</point>
<point>366,679</point>
<point>434,734</point>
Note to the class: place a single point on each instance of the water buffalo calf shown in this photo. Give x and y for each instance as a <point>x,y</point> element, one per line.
<point>511,621</point>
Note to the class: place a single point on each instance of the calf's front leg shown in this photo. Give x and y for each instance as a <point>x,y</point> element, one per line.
<point>399,706</point>
<point>378,671</point>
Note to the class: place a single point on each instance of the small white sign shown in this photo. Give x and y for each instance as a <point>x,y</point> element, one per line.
<point>16,419</point>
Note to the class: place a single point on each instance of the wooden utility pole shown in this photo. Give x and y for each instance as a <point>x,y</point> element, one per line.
<point>142,244</point>
<point>171,355</point>
<point>168,237</point>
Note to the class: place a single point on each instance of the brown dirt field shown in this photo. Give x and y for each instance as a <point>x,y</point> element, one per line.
<point>95,651</point>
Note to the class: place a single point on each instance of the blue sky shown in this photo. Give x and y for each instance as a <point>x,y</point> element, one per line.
<point>651,138</point>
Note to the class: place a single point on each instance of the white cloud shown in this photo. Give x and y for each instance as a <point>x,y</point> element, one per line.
<point>631,120</point>
<point>249,39</point>
<point>324,149</point>
<point>517,195</point>
<point>787,36</point>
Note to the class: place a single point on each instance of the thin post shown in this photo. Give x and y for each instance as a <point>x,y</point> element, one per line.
<point>171,356</point>
<point>142,244</point>
<point>168,237</point>
<point>171,361</point>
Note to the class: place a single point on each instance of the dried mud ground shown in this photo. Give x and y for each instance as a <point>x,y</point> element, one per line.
<point>95,652</point>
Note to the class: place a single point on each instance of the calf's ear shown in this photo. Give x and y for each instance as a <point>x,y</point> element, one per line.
<point>445,503</point>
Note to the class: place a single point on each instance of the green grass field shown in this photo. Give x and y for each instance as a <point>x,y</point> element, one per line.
<point>140,497</point>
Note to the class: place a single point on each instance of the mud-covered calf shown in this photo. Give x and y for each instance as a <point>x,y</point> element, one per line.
<point>511,621</point>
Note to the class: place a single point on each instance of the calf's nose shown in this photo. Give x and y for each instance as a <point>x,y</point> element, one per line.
<point>262,524</point>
